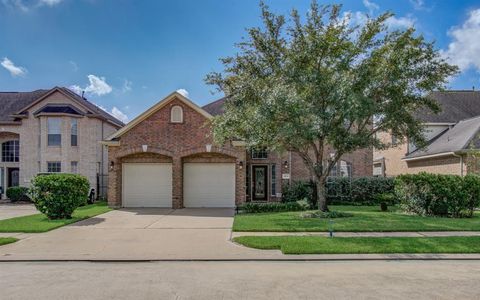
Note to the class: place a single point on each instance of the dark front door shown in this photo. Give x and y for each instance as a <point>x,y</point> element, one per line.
<point>259,178</point>
<point>13,177</point>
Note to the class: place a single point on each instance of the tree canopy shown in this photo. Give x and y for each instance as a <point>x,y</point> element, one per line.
<point>308,85</point>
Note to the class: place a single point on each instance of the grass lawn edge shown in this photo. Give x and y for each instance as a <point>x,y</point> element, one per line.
<point>7,240</point>
<point>38,223</point>
<point>362,245</point>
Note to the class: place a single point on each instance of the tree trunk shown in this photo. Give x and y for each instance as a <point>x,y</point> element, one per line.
<point>321,195</point>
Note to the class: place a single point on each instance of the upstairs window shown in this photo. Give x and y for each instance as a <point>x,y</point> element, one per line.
<point>54,167</point>
<point>176,114</point>
<point>54,127</point>
<point>259,153</point>
<point>10,151</point>
<point>74,132</point>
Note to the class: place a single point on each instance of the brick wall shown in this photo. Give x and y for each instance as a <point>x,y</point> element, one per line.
<point>440,165</point>
<point>180,143</point>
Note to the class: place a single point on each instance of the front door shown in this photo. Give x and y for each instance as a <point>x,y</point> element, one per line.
<point>259,178</point>
<point>13,177</point>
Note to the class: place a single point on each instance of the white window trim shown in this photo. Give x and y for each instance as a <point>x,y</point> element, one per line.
<point>176,108</point>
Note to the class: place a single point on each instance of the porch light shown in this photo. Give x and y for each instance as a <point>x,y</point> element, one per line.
<point>285,164</point>
<point>112,164</point>
<point>208,147</point>
<point>240,165</point>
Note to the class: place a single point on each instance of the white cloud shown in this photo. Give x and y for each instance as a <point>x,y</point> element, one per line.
<point>370,5</point>
<point>119,115</point>
<point>398,23</point>
<point>360,18</point>
<point>26,5</point>
<point>183,92</point>
<point>420,5</point>
<point>12,68</point>
<point>97,85</point>
<point>50,2</point>
<point>127,86</point>
<point>74,65</point>
<point>464,50</point>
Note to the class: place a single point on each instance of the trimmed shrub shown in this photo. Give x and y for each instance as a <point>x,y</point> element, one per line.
<point>58,195</point>
<point>274,207</point>
<point>343,191</point>
<point>358,191</point>
<point>17,193</point>
<point>298,190</point>
<point>438,195</point>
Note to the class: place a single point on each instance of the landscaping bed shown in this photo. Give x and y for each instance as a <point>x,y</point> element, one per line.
<point>362,245</point>
<point>365,218</point>
<point>40,223</point>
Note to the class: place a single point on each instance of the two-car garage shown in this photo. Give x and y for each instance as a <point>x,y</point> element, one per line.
<point>204,184</point>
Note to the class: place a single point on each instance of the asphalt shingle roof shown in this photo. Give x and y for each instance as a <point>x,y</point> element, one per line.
<point>455,139</point>
<point>13,102</point>
<point>216,107</point>
<point>455,106</point>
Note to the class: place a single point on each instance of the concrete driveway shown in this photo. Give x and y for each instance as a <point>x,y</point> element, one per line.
<point>8,211</point>
<point>138,234</point>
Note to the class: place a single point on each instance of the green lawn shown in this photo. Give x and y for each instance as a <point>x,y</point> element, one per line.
<point>7,240</point>
<point>40,223</point>
<point>358,245</point>
<point>366,218</point>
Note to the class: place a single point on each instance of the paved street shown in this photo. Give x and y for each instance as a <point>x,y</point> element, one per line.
<point>241,280</point>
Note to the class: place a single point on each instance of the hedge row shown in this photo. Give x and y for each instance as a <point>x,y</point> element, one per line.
<point>341,190</point>
<point>438,195</point>
<point>274,207</point>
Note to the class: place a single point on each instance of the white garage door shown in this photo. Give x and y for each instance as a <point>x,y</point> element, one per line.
<point>209,185</point>
<point>147,185</point>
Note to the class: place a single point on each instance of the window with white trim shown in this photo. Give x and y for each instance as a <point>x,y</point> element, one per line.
<point>74,132</point>
<point>74,167</point>
<point>54,167</point>
<point>54,128</point>
<point>273,181</point>
<point>10,151</point>
<point>176,114</point>
<point>259,153</point>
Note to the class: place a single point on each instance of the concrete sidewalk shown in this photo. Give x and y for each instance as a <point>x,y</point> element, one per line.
<point>362,234</point>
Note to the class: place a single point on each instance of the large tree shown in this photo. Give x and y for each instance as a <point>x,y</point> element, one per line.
<point>322,87</point>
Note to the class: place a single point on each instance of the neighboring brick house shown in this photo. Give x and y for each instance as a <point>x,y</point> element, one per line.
<point>166,158</point>
<point>452,137</point>
<point>52,130</point>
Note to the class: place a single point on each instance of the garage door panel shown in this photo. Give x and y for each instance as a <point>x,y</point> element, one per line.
<point>147,185</point>
<point>209,185</point>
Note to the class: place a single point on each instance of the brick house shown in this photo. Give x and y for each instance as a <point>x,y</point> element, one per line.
<point>52,130</point>
<point>452,140</point>
<point>166,158</point>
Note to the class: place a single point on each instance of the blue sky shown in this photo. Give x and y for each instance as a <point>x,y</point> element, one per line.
<point>128,55</point>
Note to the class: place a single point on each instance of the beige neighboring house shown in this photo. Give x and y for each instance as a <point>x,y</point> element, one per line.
<point>452,135</point>
<point>48,131</point>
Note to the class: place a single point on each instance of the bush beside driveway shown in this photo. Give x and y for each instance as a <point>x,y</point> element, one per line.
<point>40,223</point>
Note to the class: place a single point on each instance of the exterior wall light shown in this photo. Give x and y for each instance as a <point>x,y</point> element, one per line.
<point>240,165</point>
<point>285,164</point>
<point>144,148</point>
<point>208,147</point>
<point>112,165</point>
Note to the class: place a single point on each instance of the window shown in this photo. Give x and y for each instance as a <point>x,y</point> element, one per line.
<point>273,180</point>
<point>10,151</point>
<point>345,169</point>
<point>176,114</point>
<point>74,132</point>
<point>394,140</point>
<point>74,167</point>
<point>259,153</point>
<point>54,127</point>
<point>54,167</point>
